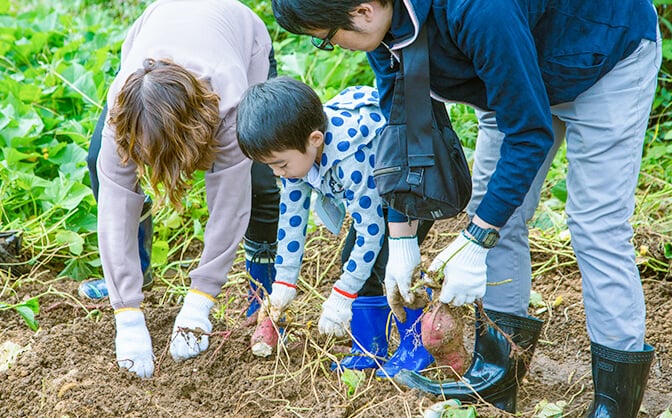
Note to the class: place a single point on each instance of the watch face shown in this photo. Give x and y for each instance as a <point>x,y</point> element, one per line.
<point>490,239</point>
<point>487,238</point>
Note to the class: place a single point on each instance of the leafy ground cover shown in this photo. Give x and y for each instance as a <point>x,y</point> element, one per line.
<point>56,60</point>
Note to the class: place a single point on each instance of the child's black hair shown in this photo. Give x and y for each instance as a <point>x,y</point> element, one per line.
<point>278,115</point>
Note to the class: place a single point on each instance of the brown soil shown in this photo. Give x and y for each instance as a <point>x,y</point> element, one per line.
<point>69,369</point>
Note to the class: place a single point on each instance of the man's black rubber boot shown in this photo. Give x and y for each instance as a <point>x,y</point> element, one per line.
<point>494,375</point>
<point>619,378</point>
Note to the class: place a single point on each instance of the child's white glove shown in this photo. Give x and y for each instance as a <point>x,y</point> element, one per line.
<point>336,314</point>
<point>133,344</point>
<point>464,274</point>
<point>194,314</point>
<point>403,259</point>
<point>282,294</point>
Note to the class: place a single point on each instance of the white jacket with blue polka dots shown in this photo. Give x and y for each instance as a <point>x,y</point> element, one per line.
<point>345,175</point>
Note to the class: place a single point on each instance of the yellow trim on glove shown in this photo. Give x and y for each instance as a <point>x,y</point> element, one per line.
<point>116,311</point>
<point>198,292</point>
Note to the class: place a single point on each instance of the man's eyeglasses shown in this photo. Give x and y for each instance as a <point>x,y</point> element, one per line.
<point>325,44</point>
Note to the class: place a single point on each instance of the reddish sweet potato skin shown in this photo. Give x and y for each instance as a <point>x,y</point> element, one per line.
<point>442,329</point>
<point>264,339</point>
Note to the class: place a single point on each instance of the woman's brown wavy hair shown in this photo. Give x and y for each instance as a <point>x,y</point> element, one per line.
<point>166,121</point>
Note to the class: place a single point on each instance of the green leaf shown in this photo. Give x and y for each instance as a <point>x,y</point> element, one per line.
<point>667,250</point>
<point>352,379</point>
<point>536,300</point>
<point>65,193</point>
<point>560,191</point>
<point>80,83</point>
<point>76,268</point>
<point>21,88</point>
<point>76,131</point>
<point>545,409</point>
<point>667,49</point>
<point>13,156</point>
<point>84,220</point>
<point>23,122</point>
<point>174,221</point>
<point>293,64</point>
<point>199,231</point>
<point>450,409</point>
<point>160,251</point>
<point>74,240</point>
<point>66,153</point>
<point>657,151</point>
<point>468,412</point>
<point>33,304</point>
<point>28,315</point>
<point>545,220</point>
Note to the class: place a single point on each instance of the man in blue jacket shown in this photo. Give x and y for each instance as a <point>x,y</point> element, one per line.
<point>538,72</point>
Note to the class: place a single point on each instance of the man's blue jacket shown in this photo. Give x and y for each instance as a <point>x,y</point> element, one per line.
<point>516,57</point>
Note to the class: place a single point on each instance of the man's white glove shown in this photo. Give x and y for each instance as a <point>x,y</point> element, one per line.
<point>403,259</point>
<point>193,316</point>
<point>336,313</point>
<point>133,343</point>
<point>282,294</point>
<point>464,271</point>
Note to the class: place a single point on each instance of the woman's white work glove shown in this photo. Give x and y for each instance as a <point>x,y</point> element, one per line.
<point>336,313</point>
<point>401,264</point>
<point>133,343</point>
<point>282,294</point>
<point>192,326</point>
<point>464,271</point>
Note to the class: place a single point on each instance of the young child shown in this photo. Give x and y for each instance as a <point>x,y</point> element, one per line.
<point>329,150</point>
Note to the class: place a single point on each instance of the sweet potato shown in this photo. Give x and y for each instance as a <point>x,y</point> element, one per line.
<point>265,338</point>
<point>442,330</point>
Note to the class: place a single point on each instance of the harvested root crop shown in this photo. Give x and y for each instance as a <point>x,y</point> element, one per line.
<point>265,338</point>
<point>442,331</point>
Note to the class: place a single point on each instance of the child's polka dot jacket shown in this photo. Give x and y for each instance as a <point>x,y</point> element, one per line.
<point>344,175</point>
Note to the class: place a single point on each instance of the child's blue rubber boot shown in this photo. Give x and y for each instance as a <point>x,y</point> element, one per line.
<point>411,354</point>
<point>369,331</point>
<point>260,265</point>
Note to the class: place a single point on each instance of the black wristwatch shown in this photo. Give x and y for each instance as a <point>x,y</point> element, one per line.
<point>485,237</point>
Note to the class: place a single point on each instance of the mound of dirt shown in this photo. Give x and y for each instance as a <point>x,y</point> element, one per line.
<point>69,368</point>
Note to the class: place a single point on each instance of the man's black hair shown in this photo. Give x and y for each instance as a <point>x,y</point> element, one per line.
<point>300,16</point>
<point>278,115</point>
